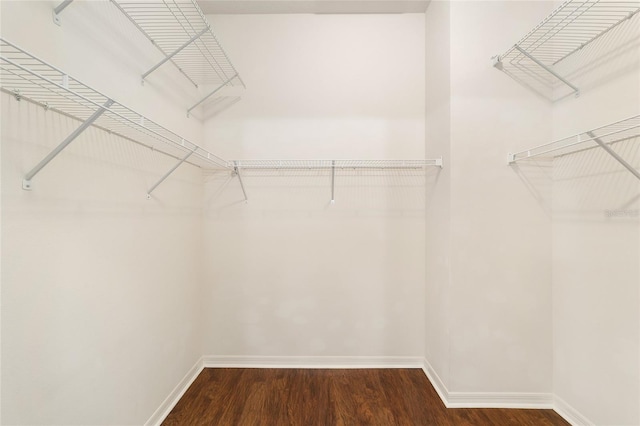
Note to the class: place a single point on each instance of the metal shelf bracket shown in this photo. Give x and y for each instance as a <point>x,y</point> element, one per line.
<point>166,175</point>
<point>26,182</point>
<point>58,9</point>
<point>333,180</point>
<point>547,69</point>
<point>174,53</point>
<point>614,154</point>
<point>236,172</point>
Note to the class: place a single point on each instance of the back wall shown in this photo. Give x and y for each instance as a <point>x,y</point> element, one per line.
<point>288,273</point>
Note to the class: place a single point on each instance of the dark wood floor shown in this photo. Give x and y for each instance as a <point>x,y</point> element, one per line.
<point>305,397</point>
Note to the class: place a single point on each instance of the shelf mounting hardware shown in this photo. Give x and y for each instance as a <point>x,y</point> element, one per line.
<point>166,175</point>
<point>614,154</point>
<point>26,183</point>
<point>236,171</point>
<point>174,53</point>
<point>58,9</point>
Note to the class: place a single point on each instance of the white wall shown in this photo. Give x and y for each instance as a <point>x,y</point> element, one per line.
<point>288,273</point>
<point>495,334</point>
<point>596,272</point>
<point>100,286</point>
<point>438,189</point>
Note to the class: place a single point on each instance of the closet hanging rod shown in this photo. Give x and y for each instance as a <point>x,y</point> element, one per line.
<point>26,76</point>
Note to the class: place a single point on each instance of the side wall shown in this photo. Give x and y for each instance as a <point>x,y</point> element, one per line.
<point>288,273</point>
<point>491,341</point>
<point>438,190</point>
<point>100,286</point>
<point>596,223</point>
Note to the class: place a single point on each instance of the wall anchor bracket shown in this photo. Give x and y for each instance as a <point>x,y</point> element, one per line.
<point>58,9</point>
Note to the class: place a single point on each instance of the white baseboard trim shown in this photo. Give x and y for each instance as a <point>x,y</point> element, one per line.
<point>216,361</point>
<point>486,399</point>
<point>529,400</point>
<point>436,382</point>
<point>569,413</point>
<point>170,401</point>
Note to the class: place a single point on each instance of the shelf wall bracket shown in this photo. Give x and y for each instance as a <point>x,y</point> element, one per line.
<point>212,93</point>
<point>614,154</point>
<point>547,69</point>
<point>236,170</point>
<point>333,180</point>
<point>58,9</point>
<point>174,53</point>
<point>26,182</point>
<point>173,169</point>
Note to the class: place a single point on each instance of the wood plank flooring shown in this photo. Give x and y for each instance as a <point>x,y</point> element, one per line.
<point>305,397</point>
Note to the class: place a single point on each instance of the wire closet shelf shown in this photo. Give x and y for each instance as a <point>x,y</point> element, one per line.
<point>184,37</point>
<point>568,29</point>
<point>25,76</point>
<point>603,137</point>
<point>338,164</point>
<point>331,165</point>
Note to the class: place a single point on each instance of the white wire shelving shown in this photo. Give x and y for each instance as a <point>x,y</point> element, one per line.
<point>26,76</point>
<point>332,165</point>
<point>576,23</point>
<point>603,137</point>
<point>184,37</point>
<point>338,164</point>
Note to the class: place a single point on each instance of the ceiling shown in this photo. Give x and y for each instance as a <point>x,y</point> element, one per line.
<point>312,6</point>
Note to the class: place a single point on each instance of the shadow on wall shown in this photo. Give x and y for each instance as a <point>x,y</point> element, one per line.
<point>606,58</point>
<point>591,186</point>
<point>537,176</point>
<point>588,185</point>
<point>218,105</point>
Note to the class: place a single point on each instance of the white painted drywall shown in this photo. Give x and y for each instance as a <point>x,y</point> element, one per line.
<point>288,273</point>
<point>596,219</point>
<point>438,190</point>
<point>100,286</point>
<point>494,333</point>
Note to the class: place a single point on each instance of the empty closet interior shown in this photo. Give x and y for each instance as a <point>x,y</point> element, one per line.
<point>445,185</point>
